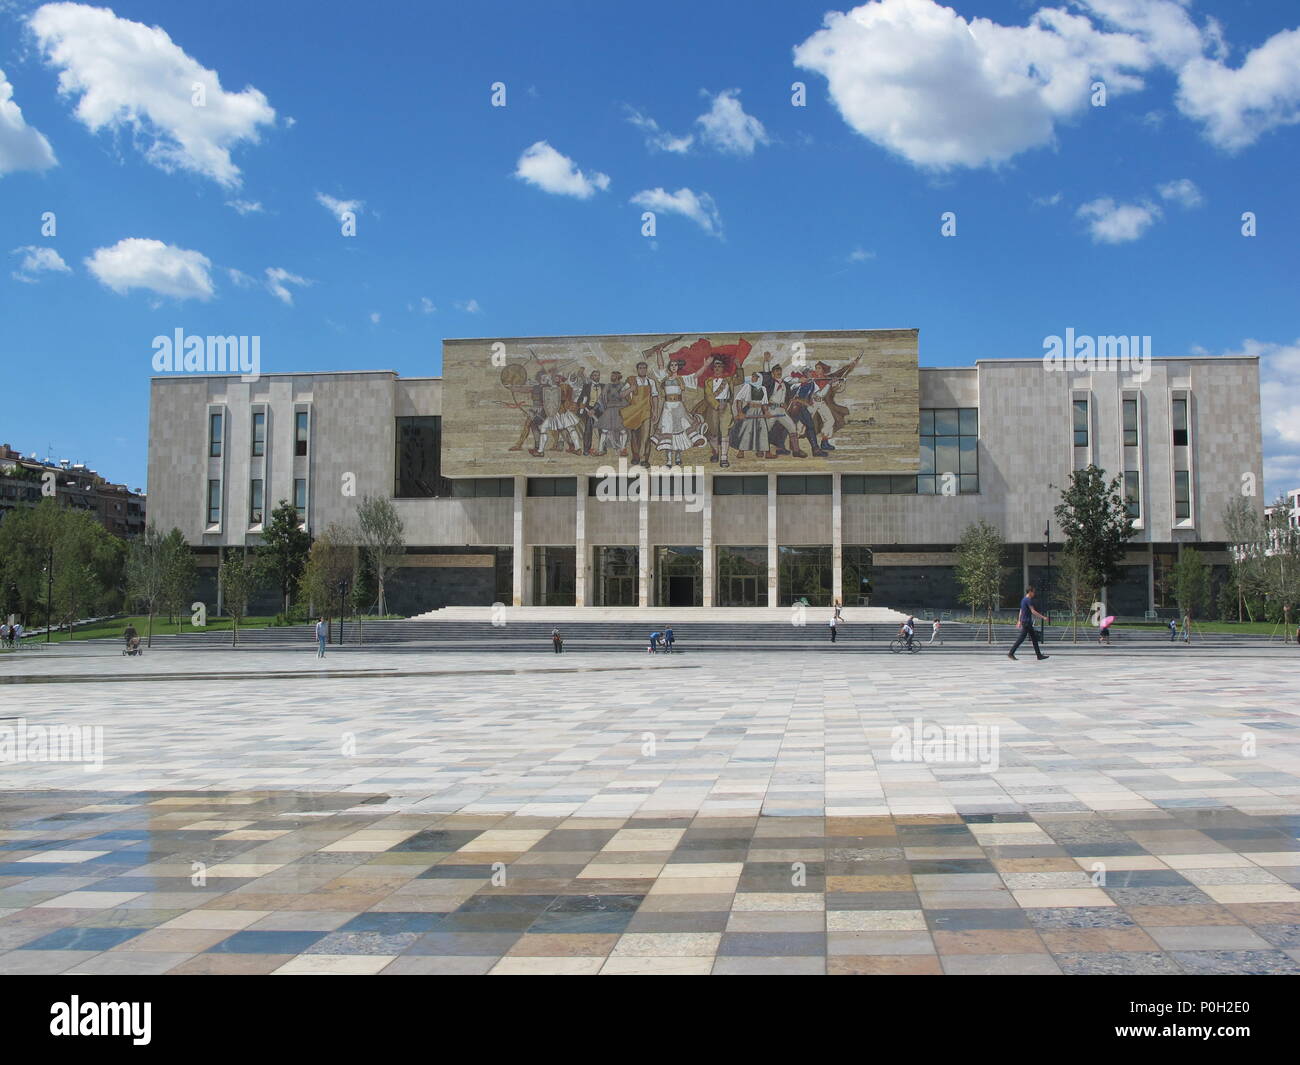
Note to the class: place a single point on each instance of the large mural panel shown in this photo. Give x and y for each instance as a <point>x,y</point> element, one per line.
<point>732,402</point>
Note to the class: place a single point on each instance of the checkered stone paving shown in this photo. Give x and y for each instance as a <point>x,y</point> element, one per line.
<point>745,814</point>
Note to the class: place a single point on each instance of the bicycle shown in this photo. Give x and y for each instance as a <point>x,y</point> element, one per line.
<point>898,645</point>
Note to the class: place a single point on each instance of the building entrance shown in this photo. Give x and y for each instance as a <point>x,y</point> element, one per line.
<point>679,576</point>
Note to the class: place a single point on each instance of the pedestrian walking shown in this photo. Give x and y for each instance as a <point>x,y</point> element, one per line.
<point>1026,626</point>
<point>16,634</point>
<point>668,639</point>
<point>655,637</point>
<point>557,640</point>
<point>1187,628</point>
<point>834,624</point>
<point>4,633</point>
<point>1103,633</point>
<point>1173,630</point>
<point>934,633</point>
<point>320,637</point>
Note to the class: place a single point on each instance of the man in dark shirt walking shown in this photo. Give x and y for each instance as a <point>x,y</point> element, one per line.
<point>1026,626</point>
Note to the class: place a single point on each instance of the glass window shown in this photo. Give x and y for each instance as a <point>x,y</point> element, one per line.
<point>552,486</point>
<point>1080,423</point>
<point>255,501</point>
<point>480,487</point>
<point>300,497</point>
<point>214,435</point>
<point>951,446</point>
<point>214,502</point>
<point>804,485</point>
<point>747,485</point>
<point>1180,423</point>
<point>419,459</point>
<point>259,433</point>
<point>804,573</point>
<point>856,574</point>
<point>1132,494</point>
<point>1182,495</point>
<point>903,485</point>
<point>300,433</point>
<point>1130,422</point>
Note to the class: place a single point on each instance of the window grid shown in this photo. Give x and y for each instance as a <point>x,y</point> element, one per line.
<point>949,445</point>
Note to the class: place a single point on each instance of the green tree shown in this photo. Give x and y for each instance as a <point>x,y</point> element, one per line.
<point>381,537</point>
<point>980,569</point>
<point>1280,566</point>
<point>1190,578</point>
<point>145,574</point>
<point>178,575</point>
<point>1095,522</point>
<point>1076,584</point>
<point>237,577</point>
<point>283,552</point>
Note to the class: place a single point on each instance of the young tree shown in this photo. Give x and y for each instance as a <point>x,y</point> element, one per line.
<point>238,578</point>
<point>381,538</point>
<point>1095,522</point>
<point>144,573</point>
<point>178,574</point>
<point>284,550</point>
<point>1076,585</point>
<point>980,569</point>
<point>1280,565</point>
<point>332,558</point>
<point>1191,580</point>
<point>1246,536</point>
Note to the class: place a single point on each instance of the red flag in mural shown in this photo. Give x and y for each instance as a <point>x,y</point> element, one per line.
<point>698,355</point>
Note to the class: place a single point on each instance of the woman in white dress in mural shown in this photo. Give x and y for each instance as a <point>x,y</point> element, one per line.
<point>679,430</point>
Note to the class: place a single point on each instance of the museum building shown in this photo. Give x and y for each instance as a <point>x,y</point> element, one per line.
<point>780,466</point>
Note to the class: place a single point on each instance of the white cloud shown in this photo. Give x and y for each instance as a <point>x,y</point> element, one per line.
<point>338,208</point>
<point>278,281</point>
<point>859,255</point>
<point>1279,397</point>
<point>128,76</point>
<point>151,265</point>
<point>1237,106</point>
<point>36,261</point>
<point>426,305</point>
<point>239,278</point>
<point>1117,223</point>
<point>1183,192</point>
<point>468,306</point>
<point>245,206</point>
<point>941,91</point>
<point>1047,201</point>
<point>726,127</point>
<point>374,317</point>
<point>698,207</point>
<point>543,166</point>
<point>658,139</point>
<point>22,147</point>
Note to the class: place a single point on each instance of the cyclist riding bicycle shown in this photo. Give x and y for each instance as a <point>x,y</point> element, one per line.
<point>906,630</point>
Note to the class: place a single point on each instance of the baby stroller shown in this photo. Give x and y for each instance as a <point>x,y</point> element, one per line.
<point>132,646</point>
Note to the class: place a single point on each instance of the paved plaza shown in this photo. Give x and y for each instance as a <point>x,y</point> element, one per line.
<point>374,812</point>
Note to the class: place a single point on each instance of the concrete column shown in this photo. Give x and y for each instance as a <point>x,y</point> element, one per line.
<point>643,552</point>
<point>1151,575</point>
<point>517,578</point>
<point>580,546</point>
<point>772,597</point>
<point>706,544</point>
<point>1024,562</point>
<point>837,543</point>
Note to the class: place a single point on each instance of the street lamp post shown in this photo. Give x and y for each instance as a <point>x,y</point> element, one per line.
<point>343,591</point>
<point>49,595</point>
<point>1047,592</point>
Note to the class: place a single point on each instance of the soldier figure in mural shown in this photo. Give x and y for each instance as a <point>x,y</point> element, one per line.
<point>750,427</point>
<point>825,385</point>
<point>558,415</point>
<point>778,391</point>
<point>609,416</point>
<point>528,400</point>
<point>587,401</point>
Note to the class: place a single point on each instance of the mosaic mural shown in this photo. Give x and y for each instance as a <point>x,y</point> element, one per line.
<point>729,401</point>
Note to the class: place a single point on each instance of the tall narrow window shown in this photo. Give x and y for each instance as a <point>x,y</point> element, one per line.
<point>1182,495</point>
<point>1130,422</point>
<point>300,498</point>
<point>214,435</point>
<point>1180,423</point>
<point>300,433</point>
<point>1132,493</point>
<point>949,456</point>
<point>255,501</point>
<point>1080,423</point>
<point>259,433</point>
<point>214,502</point>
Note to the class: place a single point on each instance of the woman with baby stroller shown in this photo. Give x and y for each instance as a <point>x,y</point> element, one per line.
<point>132,641</point>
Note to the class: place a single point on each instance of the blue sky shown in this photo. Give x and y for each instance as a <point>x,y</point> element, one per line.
<point>475,220</point>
